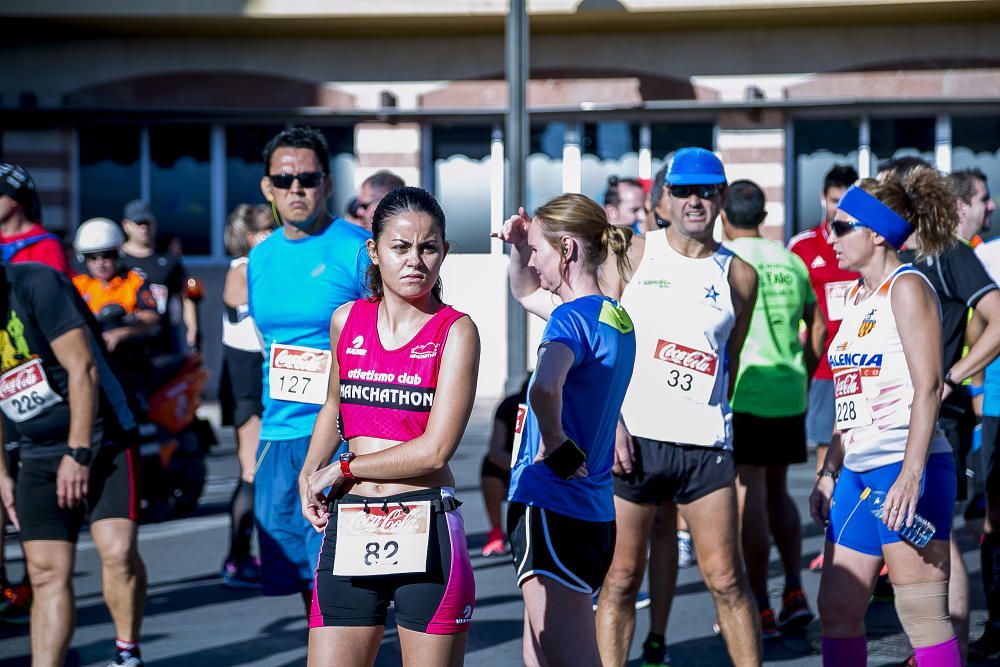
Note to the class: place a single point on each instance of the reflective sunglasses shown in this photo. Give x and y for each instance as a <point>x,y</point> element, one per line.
<point>703,191</point>
<point>307,179</point>
<point>110,254</point>
<point>841,228</point>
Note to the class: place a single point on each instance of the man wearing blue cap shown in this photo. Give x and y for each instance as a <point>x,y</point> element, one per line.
<point>691,301</point>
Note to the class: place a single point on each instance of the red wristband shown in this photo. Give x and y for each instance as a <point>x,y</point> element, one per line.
<point>345,464</point>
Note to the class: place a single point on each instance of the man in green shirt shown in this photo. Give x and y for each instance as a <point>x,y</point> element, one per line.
<point>769,404</point>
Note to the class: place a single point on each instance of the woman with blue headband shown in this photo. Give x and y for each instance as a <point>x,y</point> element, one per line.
<point>893,462</point>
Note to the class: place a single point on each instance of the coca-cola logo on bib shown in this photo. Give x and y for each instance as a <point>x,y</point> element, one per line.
<point>300,360</point>
<point>20,379</point>
<point>393,522</point>
<point>847,384</point>
<point>686,357</point>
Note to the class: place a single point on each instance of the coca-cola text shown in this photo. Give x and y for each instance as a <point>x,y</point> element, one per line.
<point>20,379</point>
<point>301,360</point>
<point>686,357</point>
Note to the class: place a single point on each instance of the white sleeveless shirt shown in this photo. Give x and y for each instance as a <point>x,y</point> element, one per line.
<point>683,313</point>
<point>872,383</point>
<point>237,326</point>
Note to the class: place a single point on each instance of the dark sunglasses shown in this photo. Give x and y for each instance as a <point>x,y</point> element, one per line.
<point>703,191</point>
<point>841,228</point>
<point>307,179</point>
<point>111,254</point>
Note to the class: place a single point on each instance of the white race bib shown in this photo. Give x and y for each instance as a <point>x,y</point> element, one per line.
<point>25,391</point>
<point>298,374</point>
<point>852,407</point>
<point>836,297</point>
<point>690,373</point>
<point>160,295</point>
<point>522,416</point>
<point>382,542</point>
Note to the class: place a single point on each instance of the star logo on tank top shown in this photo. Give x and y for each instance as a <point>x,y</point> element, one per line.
<point>712,293</point>
<point>867,324</point>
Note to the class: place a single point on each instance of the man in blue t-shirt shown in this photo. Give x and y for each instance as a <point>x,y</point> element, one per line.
<point>296,279</point>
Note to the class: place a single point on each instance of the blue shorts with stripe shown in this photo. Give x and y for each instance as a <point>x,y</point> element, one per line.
<point>851,522</point>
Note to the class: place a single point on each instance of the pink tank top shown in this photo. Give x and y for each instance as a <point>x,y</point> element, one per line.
<point>388,393</point>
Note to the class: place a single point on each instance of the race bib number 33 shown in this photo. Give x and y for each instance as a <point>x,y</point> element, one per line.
<point>298,374</point>
<point>390,541</point>
<point>689,372</point>
<point>25,391</point>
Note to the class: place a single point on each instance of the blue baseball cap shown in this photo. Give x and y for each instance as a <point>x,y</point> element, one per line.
<point>695,166</point>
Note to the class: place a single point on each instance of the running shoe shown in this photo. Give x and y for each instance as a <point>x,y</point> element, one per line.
<point>686,556</point>
<point>654,654</point>
<point>245,574</point>
<point>768,625</point>
<point>816,564</point>
<point>642,600</point>
<point>496,544</point>
<point>795,612</point>
<point>126,659</point>
<point>15,603</point>
<point>909,662</point>
<point>987,647</point>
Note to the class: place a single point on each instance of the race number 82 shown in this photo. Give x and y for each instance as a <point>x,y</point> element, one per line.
<point>375,552</point>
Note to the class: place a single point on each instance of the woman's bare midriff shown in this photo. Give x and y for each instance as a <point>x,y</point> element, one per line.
<point>381,488</point>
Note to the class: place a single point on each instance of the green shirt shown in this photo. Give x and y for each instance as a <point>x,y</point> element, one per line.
<point>772,377</point>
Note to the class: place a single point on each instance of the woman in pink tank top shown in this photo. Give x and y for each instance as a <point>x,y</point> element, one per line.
<point>402,381</point>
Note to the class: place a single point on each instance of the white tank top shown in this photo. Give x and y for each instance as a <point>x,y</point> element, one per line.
<point>872,383</point>
<point>238,330</point>
<point>683,313</point>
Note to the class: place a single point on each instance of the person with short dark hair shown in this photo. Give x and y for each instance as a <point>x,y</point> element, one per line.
<point>769,405</point>
<point>163,272</point>
<point>296,279</point>
<point>901,165</point>
<point>659,208</point>
<point>974,203</point>
<point>372,190</point>
<point>625,203</point>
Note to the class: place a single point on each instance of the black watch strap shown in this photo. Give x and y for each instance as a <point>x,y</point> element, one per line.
<point>956,386</point>
<point>82,455</point>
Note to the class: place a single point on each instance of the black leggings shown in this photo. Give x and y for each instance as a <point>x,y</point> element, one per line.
<point>241,522</point>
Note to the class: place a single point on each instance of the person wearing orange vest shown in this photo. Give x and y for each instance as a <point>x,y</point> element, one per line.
<point>118,297</point>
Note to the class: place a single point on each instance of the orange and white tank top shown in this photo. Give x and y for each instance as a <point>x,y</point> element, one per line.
<point>872,384</point>
<point>683,313</point>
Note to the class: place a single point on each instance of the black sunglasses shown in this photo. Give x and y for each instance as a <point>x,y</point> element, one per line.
<point>841,228</point>
<point>307,179</point>
<point>703,191</point>
<point>111,254</point>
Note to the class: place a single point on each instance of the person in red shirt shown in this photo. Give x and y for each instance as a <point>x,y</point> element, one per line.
<point>830,283</point>
<point>22,238</point>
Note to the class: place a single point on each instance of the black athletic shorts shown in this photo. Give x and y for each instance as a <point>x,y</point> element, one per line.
<point>490,469</point>
<point>669,472</point>
<point>958,422</point>
<point>574,552</point>
<point>769,441</point>
<point>241,386</point>
<point>112,493</point>
<point>991,431</point>
<point>439,601</point>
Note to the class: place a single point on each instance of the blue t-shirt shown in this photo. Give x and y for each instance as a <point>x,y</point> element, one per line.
<point>991,389</point>
<point>600,334</point>
<point>294,287</point>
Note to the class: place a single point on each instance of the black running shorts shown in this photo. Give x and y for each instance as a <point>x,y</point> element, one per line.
<point>669,472</point>
<point>769,441</point>
<point>112,493</point>
<point>574,552</point>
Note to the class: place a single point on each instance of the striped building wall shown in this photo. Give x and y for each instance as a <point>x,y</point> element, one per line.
<point>49,157</point>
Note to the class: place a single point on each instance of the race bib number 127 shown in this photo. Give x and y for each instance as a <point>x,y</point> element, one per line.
<point>298,374</point>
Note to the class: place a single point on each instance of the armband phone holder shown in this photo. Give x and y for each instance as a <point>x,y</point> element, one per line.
<point>564,461</point>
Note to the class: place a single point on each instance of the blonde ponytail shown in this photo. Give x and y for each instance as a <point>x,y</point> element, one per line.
<point>617,241</point>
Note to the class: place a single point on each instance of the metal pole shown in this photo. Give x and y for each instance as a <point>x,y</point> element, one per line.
<point>516,148</point>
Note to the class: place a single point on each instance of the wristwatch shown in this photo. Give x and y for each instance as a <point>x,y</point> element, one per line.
<point>81,455</point>
<point>955,386</point>
<point>345,464</point>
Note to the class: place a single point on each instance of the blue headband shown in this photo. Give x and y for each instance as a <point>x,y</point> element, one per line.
<point>875,215</point>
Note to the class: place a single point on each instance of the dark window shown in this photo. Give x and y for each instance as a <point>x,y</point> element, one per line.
<point>667,137</point>
<point>818,145</point>
<point>462,183</point>
<point>245,162</point>
<point>892,137</point>
<point>548,140</point>
<point>109,170</point>
<point>180,187</point>
<point>609,140</point>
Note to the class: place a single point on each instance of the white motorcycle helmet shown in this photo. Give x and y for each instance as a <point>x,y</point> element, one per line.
<point>97,235</point>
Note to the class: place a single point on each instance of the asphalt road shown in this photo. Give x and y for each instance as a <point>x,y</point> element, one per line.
<point>192,620</point>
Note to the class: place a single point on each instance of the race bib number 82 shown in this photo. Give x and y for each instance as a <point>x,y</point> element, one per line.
<point>377,541</point>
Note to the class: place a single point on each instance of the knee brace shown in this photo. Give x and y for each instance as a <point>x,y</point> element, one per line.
<point>490,469</point>
<point>923,613</point>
